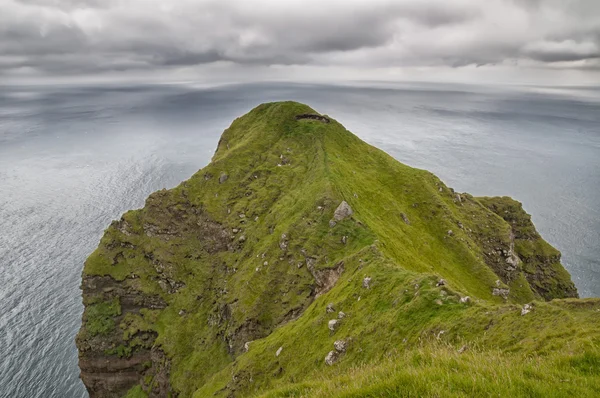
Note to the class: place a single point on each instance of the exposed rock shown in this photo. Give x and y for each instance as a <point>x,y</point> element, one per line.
<point>501,292</point>
<point>242,238</point>
<point>462,349</point>
<point>344,239</point>
<point>465,300</point>
<point>405,218</point>
<point>223,178</point>
<point>313,117</point>
<point>247,346</point>
<point>341,315</point>
<point>340,345</point>
<point>333,324</point>
<point>441,282</point>
<point>278,351</point>
<point>325,278</point>
<point>332,223</point>
<point>342,212</point>
<point>450,233</point>
<point>526,309</point>
<point>283,243</point>
<point>366,282</point>
<point>332,357</point>
<point>330,308</point>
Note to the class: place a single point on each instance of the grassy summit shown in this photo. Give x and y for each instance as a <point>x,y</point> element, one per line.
<point>253,278</point>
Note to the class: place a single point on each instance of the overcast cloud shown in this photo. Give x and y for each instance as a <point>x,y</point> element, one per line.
<point>241,39</point>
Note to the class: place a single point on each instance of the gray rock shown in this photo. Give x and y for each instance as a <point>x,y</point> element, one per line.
<point>223,178</point>
<point>343,211</point>
<point>332,223</point>
<point>450,233</point>
<point>340,345</point>
<point>330,308</point>
<point>441,282</point>
<point>465,300</point>
<point>331,357</point>
<point>405,218</point>
<point>341,315</point>
<point>242,238</point>
<point>333,324</point>
<point>283,243</point>
<point>497,291</point>
<point>526,309</point>
<point>344,239</point>
<point>278,351</point>
<point>246,346</point>
<point>367,282</point>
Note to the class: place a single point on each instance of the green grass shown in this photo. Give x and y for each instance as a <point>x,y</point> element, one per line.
<point>286,177</point>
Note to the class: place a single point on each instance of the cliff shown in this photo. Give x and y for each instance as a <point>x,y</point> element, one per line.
<point>304,262</point>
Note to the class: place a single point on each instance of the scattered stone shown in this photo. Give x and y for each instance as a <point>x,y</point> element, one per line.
<point>465,300</point>
<point>332,223</point>
<point>526,309</point>
<point>333,324</point>
<point>500,292</point>
<point>242,238</point>
<point>441,282</point>
<point>235,230</point>
<point>341,315</point>
<point>256,218</point>
<point>242,215</point>
<point>246,346</point>
<point>405,218</point>
<point>355,195</point>
<point>181,312</point>
<point>223,178</point>
<point>331,358</point>
<point>278,351</point>
<point>266,263</point>
<point>497,282</point>
<point>340,345</point>
<point>439,302</point>
<point>440,333</point>
<point>450,233</point>
<point>343,211</point>
<point>283,243</point>
<point>299,265</point>
<point>367,282</point>
<point>462,349</point>
<point>207,176</point>
<point>330,308</point>
<point>344,239</point>
<point>460,225</point>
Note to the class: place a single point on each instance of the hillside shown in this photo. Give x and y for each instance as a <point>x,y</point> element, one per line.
<point>303,262</point>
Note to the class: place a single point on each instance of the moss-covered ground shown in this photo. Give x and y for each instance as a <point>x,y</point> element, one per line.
<point>245,251</point>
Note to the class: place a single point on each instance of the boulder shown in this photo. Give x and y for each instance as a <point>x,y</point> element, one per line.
<point>342,212</point>
<point>223,178</point>
<point>333,324</point>
<point>331,358</point>
<point>367,282</point>
<point>340,345</point>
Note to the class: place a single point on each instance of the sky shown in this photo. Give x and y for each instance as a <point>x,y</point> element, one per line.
<point>546,42</point>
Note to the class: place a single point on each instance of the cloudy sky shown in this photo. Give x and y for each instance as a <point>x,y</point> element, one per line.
<point>502,41</point>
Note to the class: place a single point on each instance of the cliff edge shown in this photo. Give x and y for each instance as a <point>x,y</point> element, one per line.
<point>301,258</point>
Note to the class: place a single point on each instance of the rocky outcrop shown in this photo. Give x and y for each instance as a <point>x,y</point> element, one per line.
<point>313,116</point>
<point>115,344</point>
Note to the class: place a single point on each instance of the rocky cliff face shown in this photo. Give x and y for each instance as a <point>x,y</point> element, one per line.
<point>218,287</point>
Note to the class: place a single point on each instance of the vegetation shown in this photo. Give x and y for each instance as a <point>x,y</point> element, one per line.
<point>432,283</point>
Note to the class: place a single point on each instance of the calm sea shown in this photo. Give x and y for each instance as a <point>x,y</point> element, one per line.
<point>74,158</point>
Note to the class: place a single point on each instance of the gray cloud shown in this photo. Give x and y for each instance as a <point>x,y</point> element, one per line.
<point>79,37</point>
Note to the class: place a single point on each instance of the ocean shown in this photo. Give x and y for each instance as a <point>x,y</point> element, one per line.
<point>74,158</point>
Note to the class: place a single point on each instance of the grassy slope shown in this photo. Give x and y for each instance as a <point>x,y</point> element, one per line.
<point>287,177</point>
